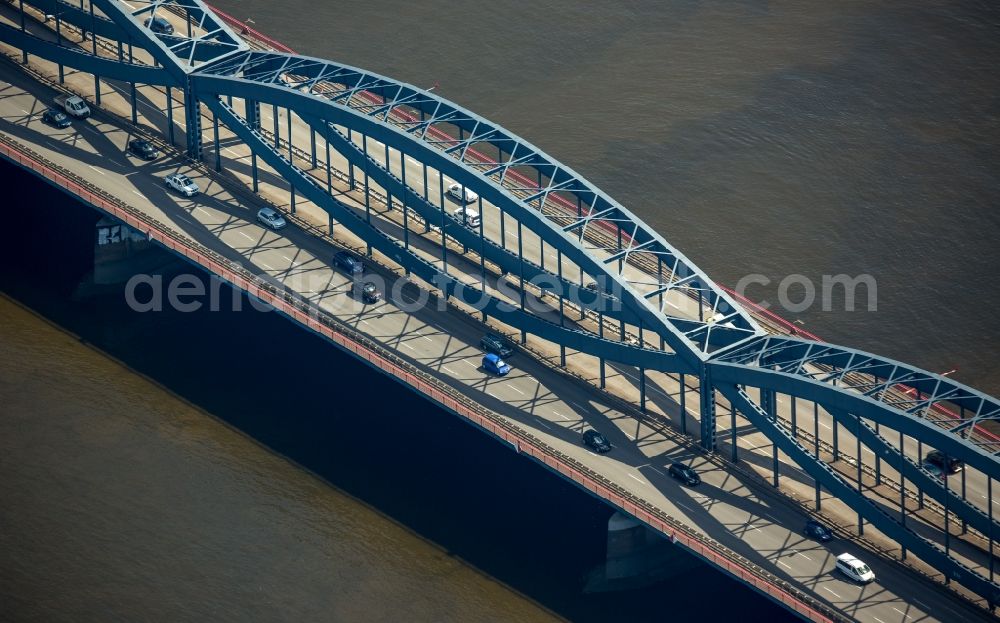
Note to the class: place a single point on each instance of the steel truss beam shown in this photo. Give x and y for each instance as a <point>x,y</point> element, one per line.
<point>924,549</point>
<point>390,247</point>
<point>415,121</point>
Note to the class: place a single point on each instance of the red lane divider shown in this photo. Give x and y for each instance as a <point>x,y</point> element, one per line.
<point>523,444</point>
<point>565,203</point>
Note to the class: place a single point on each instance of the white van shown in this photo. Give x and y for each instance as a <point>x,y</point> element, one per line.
<point>467,216</point>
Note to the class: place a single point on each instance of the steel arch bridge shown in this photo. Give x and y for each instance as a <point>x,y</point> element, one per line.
<point>641,302</point>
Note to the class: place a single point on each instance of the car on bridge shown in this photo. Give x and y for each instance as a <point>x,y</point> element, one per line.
<point>948,464</point>
<point>854,569</point>
<point>685,474</point>
<point>818,531</point>
<point>349,263</point>
<point>159,25</point>
<point>73,105</point>
<point>142,148</point>
<point>494,364</point>
<point>269,217</point>
<point>496,344</point>
<point>370,293</point>
<point>467,216</point>
<point>462,194</point>
<point>182,184</point>
<point>56,118</point>
<point>596,441</point>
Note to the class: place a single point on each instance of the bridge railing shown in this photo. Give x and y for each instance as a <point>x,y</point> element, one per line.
<point>444,394</point>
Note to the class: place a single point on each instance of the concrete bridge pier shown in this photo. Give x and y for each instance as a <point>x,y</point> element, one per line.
<point>636,557</point>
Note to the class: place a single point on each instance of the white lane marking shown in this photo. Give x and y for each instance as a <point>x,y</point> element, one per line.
<point>560,415</point>
<point>901,612</point>
<point>407,345</point>
<point>684,506</point>
<point>246,235</point>
<point>542,422</point>
<point>448,370</point>
<point>140,194</point>
<point>877,619</point>
<point>364,322</point>
<point>784,565</point>
<point>265,266</point>
<point>656,470</point>
<point>230,151</point>
<point>675,306</point>
<point>824,425</point>
<point>804,556</point>
<point>96,169</point>
<point>517,390</point>
<point>470,364</point>
<point>920,604</point>
<point>831,592</point>
<point>24,111</point>
<point>635,478</point>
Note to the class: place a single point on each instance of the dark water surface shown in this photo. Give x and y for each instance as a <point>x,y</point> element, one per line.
<point>118,501</point>
<point>779,138</point>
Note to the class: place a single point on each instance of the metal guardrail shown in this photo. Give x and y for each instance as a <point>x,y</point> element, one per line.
<point>447,396</point>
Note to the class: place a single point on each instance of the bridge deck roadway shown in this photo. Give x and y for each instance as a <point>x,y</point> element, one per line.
<point>732,507</point>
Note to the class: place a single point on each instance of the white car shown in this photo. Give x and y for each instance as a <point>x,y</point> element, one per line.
<point>182,184</point>
<point>854,569</point>
<point>270,217</point>
<point>455,190</point>
<point>467,216</point>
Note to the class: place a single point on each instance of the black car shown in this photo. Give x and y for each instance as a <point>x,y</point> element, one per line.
<point>56,118</point>
<point>948,464</point>
<point>685,474</point>
<point>349,263</point>
<point>370,293</point>
<point>818,531</point>
<point>496,344</point>
<point>596,441</point>
<point>142,148</point>
<point>160,26</point>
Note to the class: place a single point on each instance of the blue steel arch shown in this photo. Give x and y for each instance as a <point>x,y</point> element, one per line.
<point>728,351</point>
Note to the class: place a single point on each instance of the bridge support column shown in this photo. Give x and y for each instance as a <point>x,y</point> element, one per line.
<point>170,116</point>
<point>192,109</point>
<point>683,389</point>
<point>312,147</point>
<point>215,136</point>
<point>768,403</point>
<point>707,392</point>
<point>816,448</point>
<point>857,457</point>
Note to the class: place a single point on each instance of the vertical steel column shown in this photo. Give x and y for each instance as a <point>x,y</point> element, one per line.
<point>816,448</point>
<point>520,269</point>
<point>947,521</point>
<point>562,301</point>
<point>62,70</point>
<point>989,506</point>
<point>24,54</point>
<point>170,115</point>
<point>878,462</point>
<point>836,441</point>
<point>215,136</point>
<point>193,109</point>
<point>252,108</point>
<point>329,170</point>
<point>707,395</point>
<point>388,167</point>
<point>795,425</point>
<point>406,222</point>
<point>857,457</point>
<point>444,223</point>
<point>902,491</point>
<point>274,110</point>
<point>733,434</point>
<point>482,256</point>
<point>684,411</point>
<point>503,231</point>
<point>427,223</point>
<point>135,112</point>
<point>288,117</point>
<point>312,149</point>
<point>920,461</point>
<point>93,50</point>
<point>769,403</point>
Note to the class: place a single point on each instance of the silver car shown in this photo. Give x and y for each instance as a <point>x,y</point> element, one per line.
<point>182,184</point>
<point>269,217</point>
